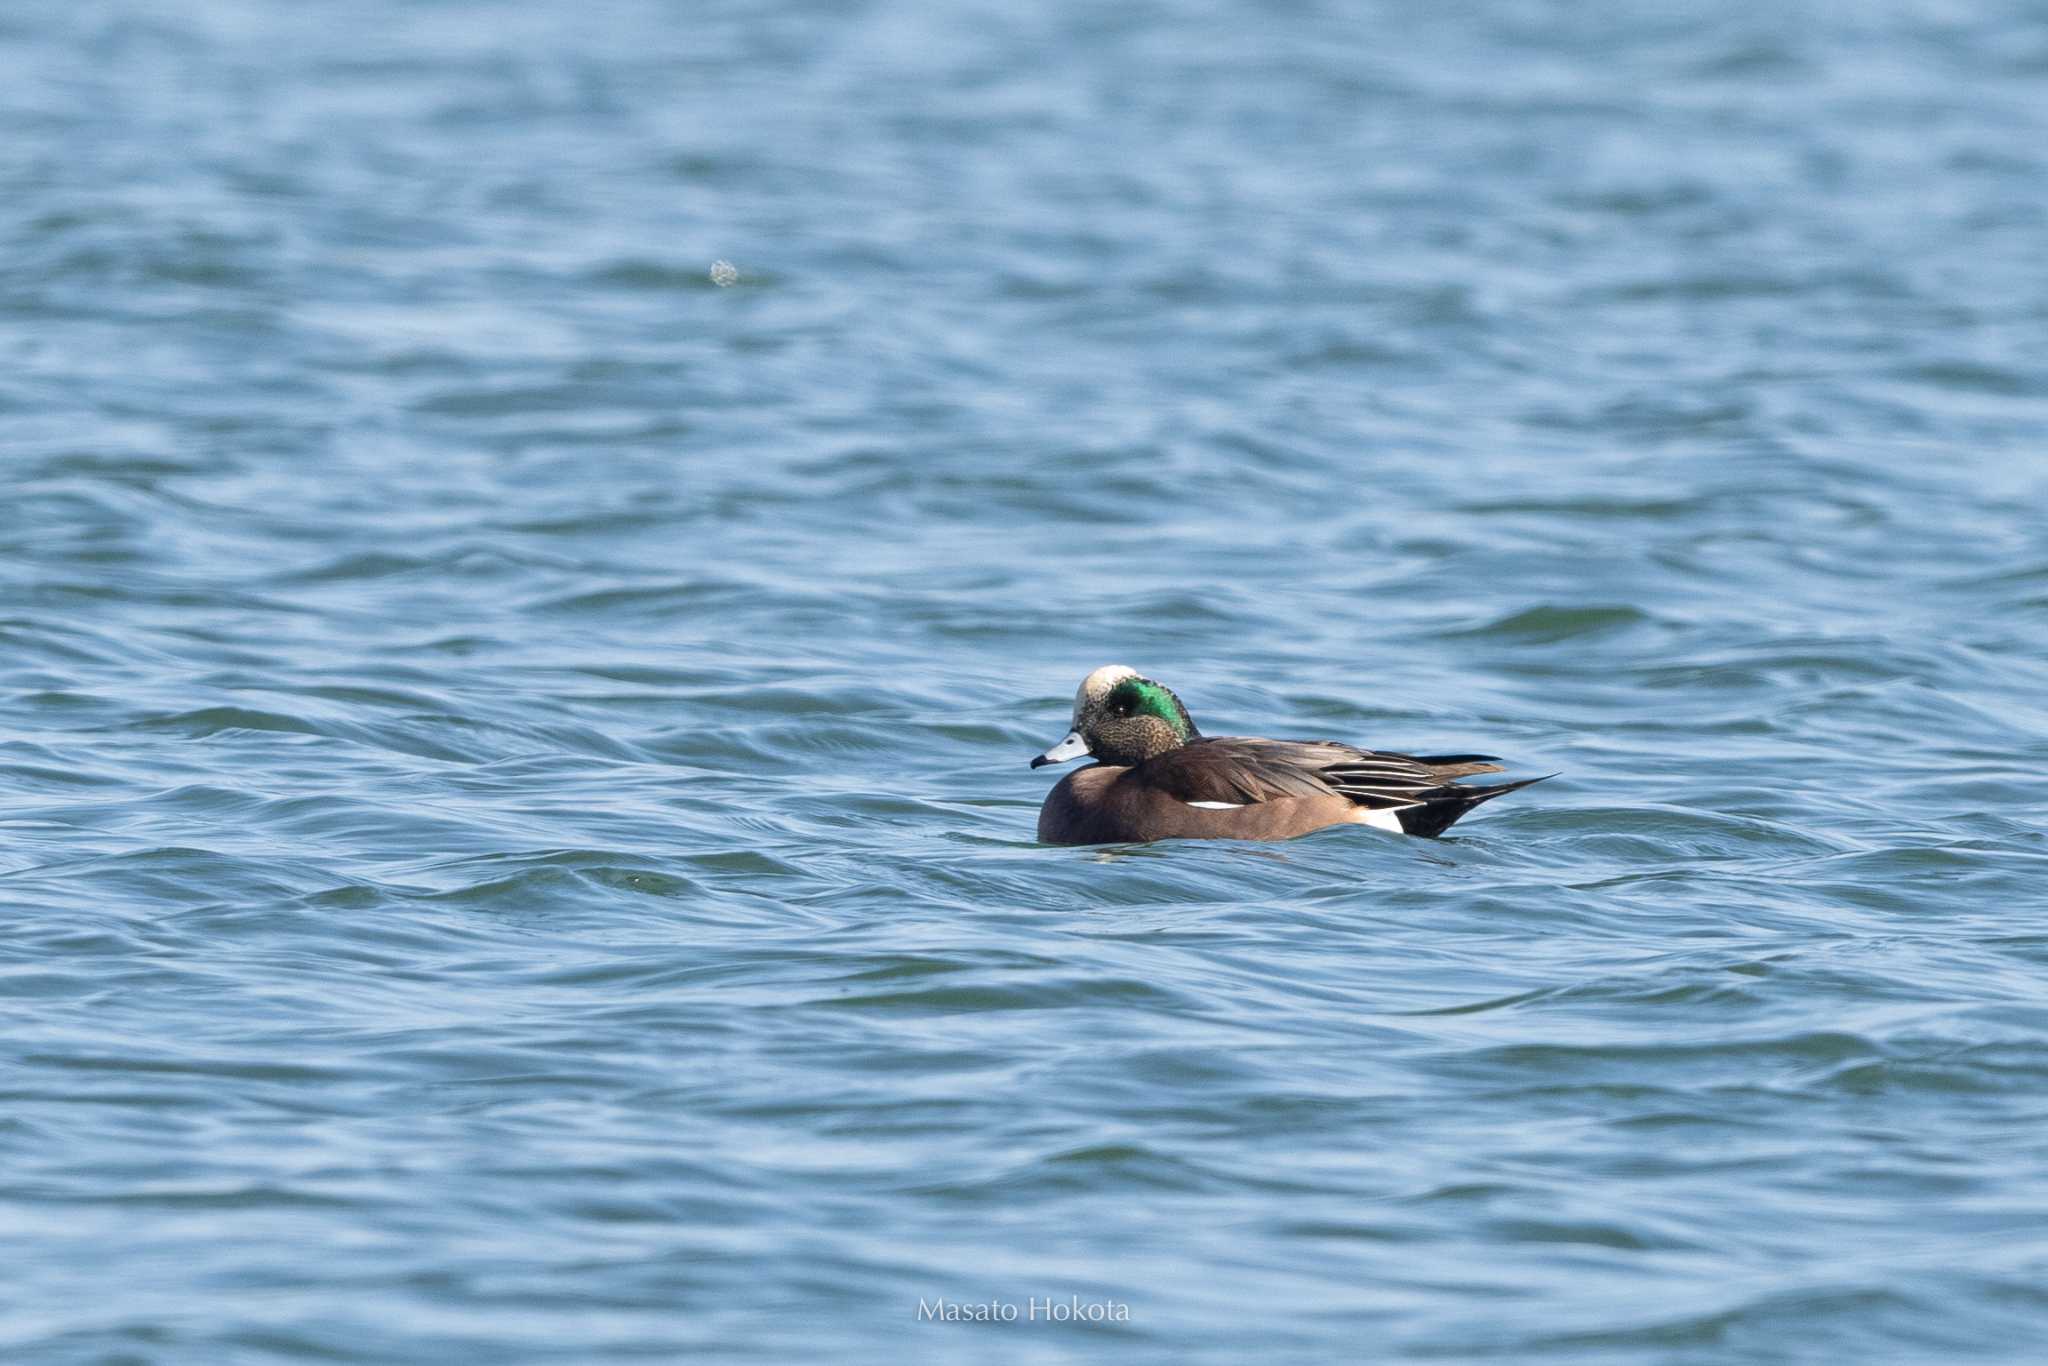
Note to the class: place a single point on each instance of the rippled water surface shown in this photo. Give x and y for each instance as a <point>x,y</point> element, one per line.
<point>517,842</point>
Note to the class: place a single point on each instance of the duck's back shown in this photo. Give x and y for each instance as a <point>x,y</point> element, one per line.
<point>1245,787</point>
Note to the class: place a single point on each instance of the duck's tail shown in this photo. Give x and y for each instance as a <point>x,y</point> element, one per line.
<point>1441,808</point>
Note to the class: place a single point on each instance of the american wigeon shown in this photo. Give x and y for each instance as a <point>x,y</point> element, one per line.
<point>1156,777</point>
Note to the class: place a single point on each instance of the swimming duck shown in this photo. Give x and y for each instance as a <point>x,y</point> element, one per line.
<point>1156,777</point>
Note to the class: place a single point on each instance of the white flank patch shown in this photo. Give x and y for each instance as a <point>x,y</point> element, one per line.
<point>1383,820</point>
<point>1218,806</point>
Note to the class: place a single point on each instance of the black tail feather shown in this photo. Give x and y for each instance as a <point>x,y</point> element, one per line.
<point>1441,812</point>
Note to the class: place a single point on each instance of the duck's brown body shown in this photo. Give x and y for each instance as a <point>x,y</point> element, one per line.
<point>1096,805</point>
<point>1231,787</point>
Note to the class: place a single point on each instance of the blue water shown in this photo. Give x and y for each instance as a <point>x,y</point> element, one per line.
<point>517,843</point>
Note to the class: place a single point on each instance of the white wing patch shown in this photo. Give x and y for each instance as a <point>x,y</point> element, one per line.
<point>1218,806</point>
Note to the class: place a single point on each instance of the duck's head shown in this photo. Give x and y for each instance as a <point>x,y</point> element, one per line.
<point>1122,719</point>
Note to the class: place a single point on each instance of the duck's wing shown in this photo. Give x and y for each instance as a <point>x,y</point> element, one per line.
<point>1238,770</point>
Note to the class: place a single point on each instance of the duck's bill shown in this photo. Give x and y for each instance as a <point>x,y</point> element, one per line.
<point>1073,747</point>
